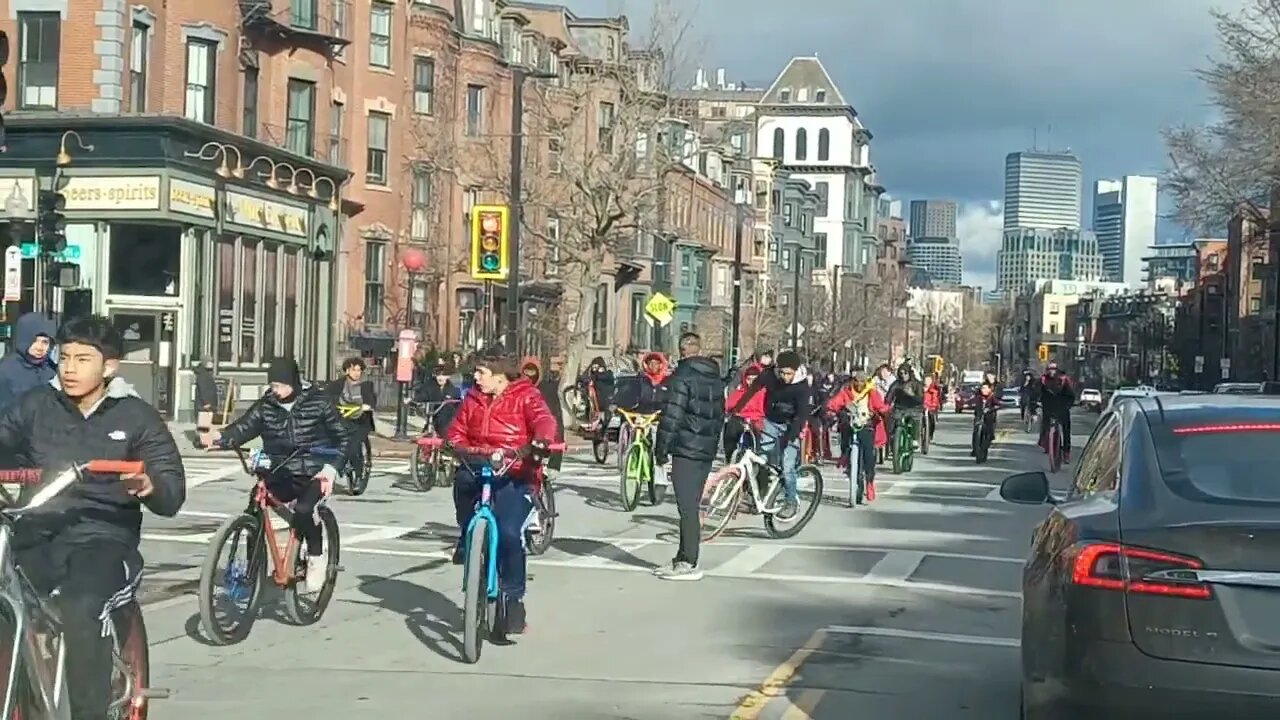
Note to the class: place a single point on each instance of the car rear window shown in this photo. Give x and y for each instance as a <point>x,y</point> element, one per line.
<point>1221,460</point>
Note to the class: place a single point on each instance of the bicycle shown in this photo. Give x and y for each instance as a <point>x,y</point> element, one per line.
<point>244,580</point>
<point>904,444</point>
<point>1053,444</point>
<point>1030,419</point>
<point>431,468</point>
<point>857,475</point>
<point>983,435</point>
<point>637,471</point>
<point>930,422</point>
<point>483,605</point>
<point>721,500</point>
<point>358,482</point>
<point>36,681</point>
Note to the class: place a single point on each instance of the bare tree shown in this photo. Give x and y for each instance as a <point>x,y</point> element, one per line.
<point>1232,165</point>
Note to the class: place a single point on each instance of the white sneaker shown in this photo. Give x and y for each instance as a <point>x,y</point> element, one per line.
<point>315,577</point>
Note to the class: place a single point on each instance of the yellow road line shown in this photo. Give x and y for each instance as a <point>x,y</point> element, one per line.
<point>775,685</point>
<point>804,706</point>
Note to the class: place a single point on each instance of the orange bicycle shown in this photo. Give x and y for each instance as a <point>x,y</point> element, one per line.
<point>242,580</point>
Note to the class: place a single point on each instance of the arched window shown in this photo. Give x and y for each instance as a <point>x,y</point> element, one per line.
<point>824,144</point>
<point>779,143</point>
<point>802,144</point>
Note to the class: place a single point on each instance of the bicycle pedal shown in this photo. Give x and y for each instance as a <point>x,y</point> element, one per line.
<point>155,693</point>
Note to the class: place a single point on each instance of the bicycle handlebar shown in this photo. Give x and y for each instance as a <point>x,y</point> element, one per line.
<point>66,478</point>
<point>432,443</point>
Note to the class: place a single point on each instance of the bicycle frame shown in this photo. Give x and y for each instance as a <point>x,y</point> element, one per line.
<point>748,467</point>
<point>484,509</point>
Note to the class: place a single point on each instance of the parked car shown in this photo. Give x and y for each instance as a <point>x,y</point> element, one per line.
<point>967,398</point>
<point>1150,589</point>
<point>1009,397</point>
<point>1091,398</point>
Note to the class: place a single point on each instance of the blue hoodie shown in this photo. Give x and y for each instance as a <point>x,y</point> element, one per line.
<point>18,371</point>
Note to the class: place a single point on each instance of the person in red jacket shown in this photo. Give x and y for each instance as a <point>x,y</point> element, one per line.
<point>751,414</point>
<point>503,410</point>
<point>932,404</point>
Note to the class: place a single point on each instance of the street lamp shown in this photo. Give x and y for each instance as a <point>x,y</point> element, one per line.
<point>735,328</point>
<point>414,261</point>
<point>796,259</point>
<point>63,158</point>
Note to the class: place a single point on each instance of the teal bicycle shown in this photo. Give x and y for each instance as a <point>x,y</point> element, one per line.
<point>484,607</point>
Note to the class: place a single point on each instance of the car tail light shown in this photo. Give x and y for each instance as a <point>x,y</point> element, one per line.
<point>1109,566</point>
<point>1234,427</point>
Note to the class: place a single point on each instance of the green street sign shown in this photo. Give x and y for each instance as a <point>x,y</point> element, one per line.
<point>31,250</point>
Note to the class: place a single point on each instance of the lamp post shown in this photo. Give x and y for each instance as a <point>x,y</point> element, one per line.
<point>413,260</point>
<point>735,326</point>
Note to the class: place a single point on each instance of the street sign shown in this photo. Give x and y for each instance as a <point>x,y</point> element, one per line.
<point>1199,363</point>
<point>661,308</point>
<point>12,274</point>
<point>31,251</point>
<point>1226,368</point>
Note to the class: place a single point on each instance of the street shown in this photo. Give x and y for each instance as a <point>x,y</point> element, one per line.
<point>904,608</point>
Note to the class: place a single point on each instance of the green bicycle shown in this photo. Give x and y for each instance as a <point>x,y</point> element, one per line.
<point>637,468</point>
<point>904,443</point>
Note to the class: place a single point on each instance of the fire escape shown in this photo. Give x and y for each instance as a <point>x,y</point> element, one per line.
<point>323,25</point>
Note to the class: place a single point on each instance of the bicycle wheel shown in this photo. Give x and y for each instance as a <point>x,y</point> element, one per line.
<point>901,451</point>
<point>422,468</point>
<point>600,449</point>
<point>624,442</point>
<point>544,504</point>
<point>924,437</point>
<point>657,493</point>
<point>358,482</point>
<point>241,581</point>
<point>1055,448</point>
<point>305,608</point>
<point>475,612</point>
<point>131,664</point>
<point>632,477</point>
<point>444,468</point>
<point>806,475</point>
<point>720,501</point>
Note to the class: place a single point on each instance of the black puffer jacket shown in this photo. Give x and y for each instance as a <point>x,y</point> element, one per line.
<point>310,421</point>
<point>43,429</point>
<point>693,416</point>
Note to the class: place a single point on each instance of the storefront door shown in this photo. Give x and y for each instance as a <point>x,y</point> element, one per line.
<point>147,361</point>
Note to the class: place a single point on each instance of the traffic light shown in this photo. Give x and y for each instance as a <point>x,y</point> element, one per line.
<point>1043,352</point>
<point>938,366</point>
<point>490,256</point>
<point>4,86</point>
<point>51,223</point>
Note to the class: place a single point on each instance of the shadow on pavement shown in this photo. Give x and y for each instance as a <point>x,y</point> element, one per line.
<point>270,607</point>
<point>432,618</point>
<point>581,547</point>
<point>594,497</point>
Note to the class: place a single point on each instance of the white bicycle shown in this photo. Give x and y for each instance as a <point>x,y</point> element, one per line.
<point>723,498</point>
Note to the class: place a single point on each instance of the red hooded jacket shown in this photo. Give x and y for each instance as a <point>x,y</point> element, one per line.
<point>664,368</point>
<point>508,420</point>
<point>933,398</point>
<point>753,411</point>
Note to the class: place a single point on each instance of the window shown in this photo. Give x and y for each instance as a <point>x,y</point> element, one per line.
<point>380,34</point>
<point>337,118</point>
<point>802,95</point>
<point>600,316</point>
<point>820,95</point>
<point>424,84</point>
<point>824,191</point>
<point>288,318</point>
<point>375,171</point>
<point>820,248</point>
<point>779,143</point>
<point>248,301</point>
<point>1053,328</point>
<point>784,96</point>
<point>555,155</point>
<point>1053,308</point>
<point>270,300</point>
<point>802,144</point>
<point>639,325</point>
<point>787,259</point>
<point>605,117</point>
<point>375,265</point>
<point>40,39</point>
<point>138,54</point>
<point>420,221</point>
<point>1100,461</point>
<point>201,74</point>
<point>788,212</point>
<point>144,260</point>
<point>824,144</point>
<point>719,111</point>
<point>249,117</point>
<point>553,246</point>
<point>226,299</point>
<point>475,110</point>
<point>300,118</point>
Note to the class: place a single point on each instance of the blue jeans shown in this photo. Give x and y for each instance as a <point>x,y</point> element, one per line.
<point>511,503</point>
<point>773,432</point>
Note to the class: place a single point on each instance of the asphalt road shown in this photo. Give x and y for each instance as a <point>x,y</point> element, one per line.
<point>905,608</point>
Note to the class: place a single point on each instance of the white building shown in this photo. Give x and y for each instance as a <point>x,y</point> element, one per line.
<point>1030,254</point>
<point>1124,219</point>
<point>806,124</point>
<point>938,256</point>
<point>1042,190</point>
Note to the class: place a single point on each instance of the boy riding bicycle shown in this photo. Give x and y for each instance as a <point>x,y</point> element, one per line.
<point>503,410</point>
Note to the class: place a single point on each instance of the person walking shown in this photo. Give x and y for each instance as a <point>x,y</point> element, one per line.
<point>689,435</point>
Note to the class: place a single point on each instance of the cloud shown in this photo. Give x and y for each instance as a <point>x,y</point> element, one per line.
<point>979,227</point>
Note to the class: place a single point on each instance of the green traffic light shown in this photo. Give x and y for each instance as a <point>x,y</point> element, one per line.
<point>489,262</point>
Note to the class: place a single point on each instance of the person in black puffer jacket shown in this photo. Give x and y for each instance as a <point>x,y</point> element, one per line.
<point>295,416</point>
<point>689,434</point>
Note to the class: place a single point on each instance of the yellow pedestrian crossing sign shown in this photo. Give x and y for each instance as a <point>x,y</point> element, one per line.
<point>661,309</point>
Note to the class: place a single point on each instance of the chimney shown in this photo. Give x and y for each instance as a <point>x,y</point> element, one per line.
<point>720,79</point>
<point>700,80</point>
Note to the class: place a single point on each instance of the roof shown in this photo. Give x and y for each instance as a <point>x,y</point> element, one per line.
<point>804,72</point>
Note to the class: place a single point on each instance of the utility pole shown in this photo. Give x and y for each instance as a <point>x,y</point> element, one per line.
<point>735,326</point>
<point>795,299</point>
<point>516,211</point>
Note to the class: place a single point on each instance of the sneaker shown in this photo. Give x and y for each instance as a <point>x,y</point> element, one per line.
<point>516,623</point>
<point>679,570</point>
<point>315,575</point>
<point>790,508</point>
<point>871,491</point>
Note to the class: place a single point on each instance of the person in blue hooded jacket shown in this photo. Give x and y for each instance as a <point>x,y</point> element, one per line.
<point>28,364</point>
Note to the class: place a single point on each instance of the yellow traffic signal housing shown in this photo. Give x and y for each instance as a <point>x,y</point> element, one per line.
<point>1044,352</point>
<point>490,248</point>
<point>938,366</point>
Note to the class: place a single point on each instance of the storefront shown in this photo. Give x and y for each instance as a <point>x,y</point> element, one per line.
<point>189,259</point>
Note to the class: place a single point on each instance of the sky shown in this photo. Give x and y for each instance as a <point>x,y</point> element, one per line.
<point>949,87</point>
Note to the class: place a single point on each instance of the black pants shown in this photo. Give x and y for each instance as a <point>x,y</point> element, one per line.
<point>987,424</point>
<point>304,492</point>
<point>357,431</point>
<point>1064,421</point>
<point>689,478</point>
<point>87,575</point>
<point>733,427</point>
<point>866,439</point>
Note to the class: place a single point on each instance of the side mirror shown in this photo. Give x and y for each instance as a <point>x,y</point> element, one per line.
<point>1028,488</point>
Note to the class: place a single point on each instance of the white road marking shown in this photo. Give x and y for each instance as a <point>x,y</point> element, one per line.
<point>897,565</point>
<point>904,634</point>
<point>386,533</point>
<point>751,559</point>
<point>397,469</point>
<point>213,475</point>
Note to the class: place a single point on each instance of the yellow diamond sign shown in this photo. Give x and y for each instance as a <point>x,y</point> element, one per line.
<point>661,308</point>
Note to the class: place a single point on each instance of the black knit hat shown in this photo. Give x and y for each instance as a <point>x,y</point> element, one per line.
<point>285,371</point>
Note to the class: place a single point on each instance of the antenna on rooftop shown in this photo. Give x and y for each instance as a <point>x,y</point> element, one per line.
<point>1050,138</point>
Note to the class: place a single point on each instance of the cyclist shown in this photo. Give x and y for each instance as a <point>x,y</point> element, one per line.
<point>89,549</point>
<point>1057,395</point>
<point>1028,395</point>
<point>645,393</point>
<point>353,389</point>
<point>502,410</point>
<point>786,410</point>
<point>906,398</point>
<point>28,364</point>
<point>437,390</point>
<point>294,416</point>
<point>932,403</point>
<point>597,385</point>
<point>984,415</point>
<point>549,386</point>
<point>861,403</point>
<point>751,415</point>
